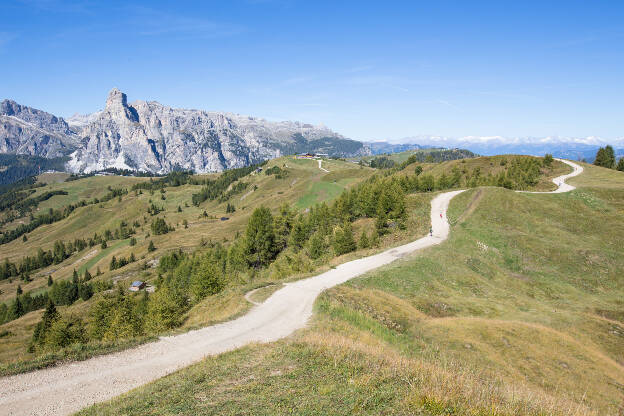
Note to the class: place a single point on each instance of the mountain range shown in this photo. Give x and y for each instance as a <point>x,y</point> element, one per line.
<point>152,137</point>
<point>564,147</point>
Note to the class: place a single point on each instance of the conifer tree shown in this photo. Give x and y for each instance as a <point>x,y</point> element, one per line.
<point>299,234</point>
<point>316,245</point>
<point>620,165</point>
<point>19,290</point>
<point>344,241</point>
<point>605,157</point>
<point>50,316</point>
<point>374,240</point>
<point>16,310</point>
<point>260,238</point>
<point>50,281</point>
<point>113,263</point>
<point>363,242</point>
<point>151,247</point>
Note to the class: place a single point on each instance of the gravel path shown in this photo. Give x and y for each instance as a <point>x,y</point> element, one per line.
<point>69,387</point>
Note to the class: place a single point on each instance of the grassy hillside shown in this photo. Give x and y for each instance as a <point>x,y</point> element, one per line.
<point>301,186</point>
<point>519,312</point>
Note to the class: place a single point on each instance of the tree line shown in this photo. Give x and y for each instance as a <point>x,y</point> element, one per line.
<point>605,157</point>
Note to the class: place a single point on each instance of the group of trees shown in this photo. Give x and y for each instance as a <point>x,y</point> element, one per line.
<point>159,226</point>
<point>605,157</point>
<point>118,263</point>
<point>56,255</point>
<point>64,292</point>
<point>214,188</point>
<point>277,171</point>
<point>19,167</point>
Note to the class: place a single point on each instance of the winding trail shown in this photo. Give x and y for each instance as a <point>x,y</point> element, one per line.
<point>69,387</point>
<point>321,167</point>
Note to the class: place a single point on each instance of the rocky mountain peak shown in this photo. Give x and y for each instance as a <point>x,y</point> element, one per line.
<point>117,105</point>
<point>151,137</point>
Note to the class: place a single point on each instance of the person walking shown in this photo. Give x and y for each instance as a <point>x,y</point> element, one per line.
<point>431,232</point>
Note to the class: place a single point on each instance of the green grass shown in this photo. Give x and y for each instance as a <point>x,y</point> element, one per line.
<point>319,192</point>
<point>101,254</point>
<point>518,313</point>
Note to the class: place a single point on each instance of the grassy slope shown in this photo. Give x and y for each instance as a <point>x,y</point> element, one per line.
<point>302,184</point>
<point>519,312</point>
<point>271,192</point>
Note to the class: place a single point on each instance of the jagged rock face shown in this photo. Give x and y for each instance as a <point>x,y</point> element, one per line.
<point>26,130</point>
<point>151,137</point>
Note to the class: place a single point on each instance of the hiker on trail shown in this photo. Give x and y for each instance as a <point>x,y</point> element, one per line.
<point>440,215</point>
<point>431,231</point>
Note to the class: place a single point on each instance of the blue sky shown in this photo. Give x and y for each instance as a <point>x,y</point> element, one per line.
<point>369,70</point>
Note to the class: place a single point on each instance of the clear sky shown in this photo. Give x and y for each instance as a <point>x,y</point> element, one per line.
<point>369,70</point>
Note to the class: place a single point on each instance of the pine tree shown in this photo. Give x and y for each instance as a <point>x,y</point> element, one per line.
<point>151,247</point>
<point>87,276</point>
<point>620,165</point>
<point>260,238</point>
<point>103,246</point>
<point>75,277</point>
<point>605,157</point>
<point>363,242</point>
<point>16,310</point>
<point>343,240</point>
<point>374,240</point>
<point>299,233</point>
<point>19,290</point>
<point>113,263</point>
<point>548,160</point>
<point>50,281</point>
<point>42,328</point>
<point>316,245</point>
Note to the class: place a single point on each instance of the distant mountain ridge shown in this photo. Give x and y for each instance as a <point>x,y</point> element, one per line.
<point>152,137</point>
<point>564,147</point>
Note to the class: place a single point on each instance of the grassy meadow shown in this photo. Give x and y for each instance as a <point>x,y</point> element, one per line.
<point>303,186</point>
<point>519,312</point>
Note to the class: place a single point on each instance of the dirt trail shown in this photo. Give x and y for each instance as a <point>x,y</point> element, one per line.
<point>69,387</point>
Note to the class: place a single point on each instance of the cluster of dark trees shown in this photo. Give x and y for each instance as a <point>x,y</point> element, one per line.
<point>172,179</point>
<point>118,263</point>
<point>433,156</point>
<point>56,255</point>
<point>382,162</point>
<point>64,292</point>
<point>605,157</point>
<point>277,171</point>
<point>214,188</point>
<point>61,251</point>
<point>236,188</point>
<point>154,210</point>
<point>159,227</point>
<point>19,167</point>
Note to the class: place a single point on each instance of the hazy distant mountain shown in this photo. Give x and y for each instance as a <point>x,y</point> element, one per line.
<point>378,148</point>
<point>152,137</point>
<point>565,147</point>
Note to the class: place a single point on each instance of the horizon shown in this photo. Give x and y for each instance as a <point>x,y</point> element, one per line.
<point>367,73</point>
